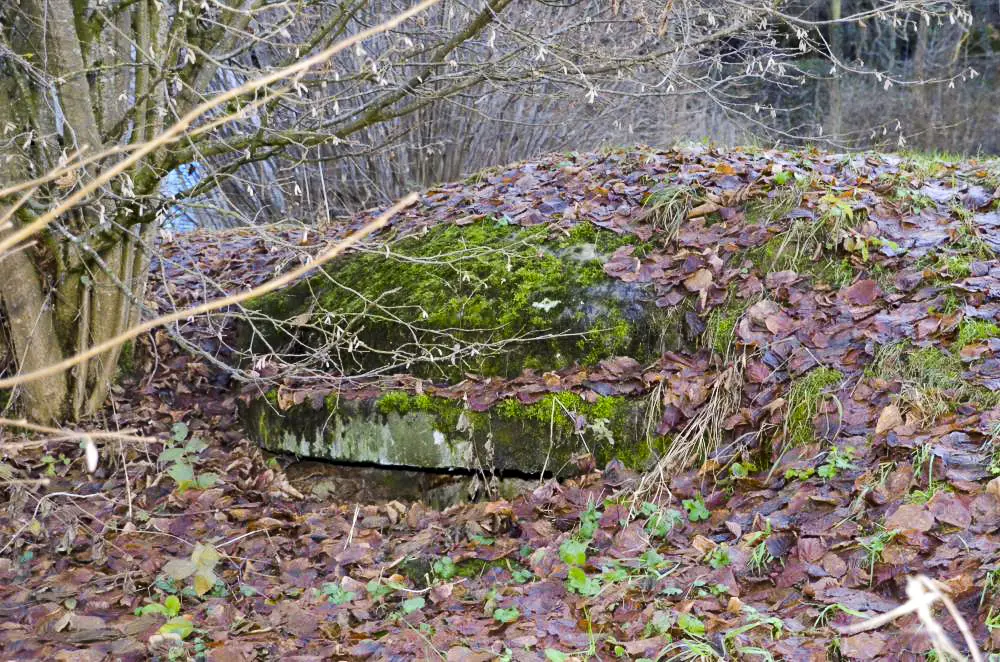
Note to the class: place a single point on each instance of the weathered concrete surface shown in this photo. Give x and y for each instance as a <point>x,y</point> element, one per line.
<point>437,433</point>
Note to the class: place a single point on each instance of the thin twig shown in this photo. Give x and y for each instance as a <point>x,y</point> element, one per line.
<point>60,434</point>
<point>215,304</point>
<point>179,128</point>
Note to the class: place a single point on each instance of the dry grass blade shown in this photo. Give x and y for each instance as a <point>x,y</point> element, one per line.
<point>669,207</point>
<point>703,435</point>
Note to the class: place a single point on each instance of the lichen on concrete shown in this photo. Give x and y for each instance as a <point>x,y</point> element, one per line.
<point>420,430</point>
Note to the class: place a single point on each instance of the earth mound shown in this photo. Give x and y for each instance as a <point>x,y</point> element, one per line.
<point>645,306</point>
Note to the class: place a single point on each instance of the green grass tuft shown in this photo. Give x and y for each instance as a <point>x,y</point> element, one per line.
<point>972,331</point>
<point>932,379</point>
<point>804,399</point>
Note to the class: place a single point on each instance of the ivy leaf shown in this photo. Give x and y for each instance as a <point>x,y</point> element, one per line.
<point>692,625</point>
<point>377,590</point>
<point>552,655</point>
<point>589,521</point>
<point>204,581</point>
<point>445,568</point>
<point>172,605</point>
<point>207,480</point>
<point>661,622</point>
<point>413,604</point>
<point>507,615</point>
<point>205,556</point>
<point>178,625</point>
<point>179,569</point>
<point>336,594</point>
<point>522,576</point>
<point>183,474</point>
<point>180,431</point>
<point>582,584</point>
<point>154,608</point>
<point>195,445</point>
<point>171,455</point>
<point>696,509</point>
<point>573,552</point>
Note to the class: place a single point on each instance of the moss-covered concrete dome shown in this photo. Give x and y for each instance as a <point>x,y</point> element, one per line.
<point>632,303</point>
<point>488,298</point>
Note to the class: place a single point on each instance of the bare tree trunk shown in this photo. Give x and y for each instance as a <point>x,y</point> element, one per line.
<point>33,335</point>
<point>835,121</point>
<point>61,297</point>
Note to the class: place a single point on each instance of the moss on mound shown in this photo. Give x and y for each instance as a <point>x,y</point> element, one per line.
<point>498,297</point>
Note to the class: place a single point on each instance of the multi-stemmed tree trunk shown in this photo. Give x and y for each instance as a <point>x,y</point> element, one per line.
<point>78,283</point>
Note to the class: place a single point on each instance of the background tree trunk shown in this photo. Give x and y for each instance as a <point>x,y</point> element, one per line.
<point>835,111</point>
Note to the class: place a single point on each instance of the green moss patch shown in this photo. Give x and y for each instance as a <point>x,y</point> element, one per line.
<point>947,268</point>
<point>720,327</point>
<point>506,297</point>
<point>126,359</point>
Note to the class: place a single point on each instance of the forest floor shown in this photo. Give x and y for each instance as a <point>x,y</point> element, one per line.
<point>868,421</point>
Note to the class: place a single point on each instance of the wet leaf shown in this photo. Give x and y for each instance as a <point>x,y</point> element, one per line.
<point>413,604</point>
<point>179,625</point>
<point>888,419</point>
<point>179,569</point>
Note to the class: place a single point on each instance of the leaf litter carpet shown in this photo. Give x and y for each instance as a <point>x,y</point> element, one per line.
<point>862,294</point>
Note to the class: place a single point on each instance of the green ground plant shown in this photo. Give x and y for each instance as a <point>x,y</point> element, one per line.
<point>760,556</point>
<point>337,594</point>
<point>180,461</point>
<point>200,568</point>
<point>659,521</point>
<point>874,545</point>
<point>923,496</point>
<point>718,558</point>
<point>837,460</point>
<point>696,510</point>
<point>913,201</point>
